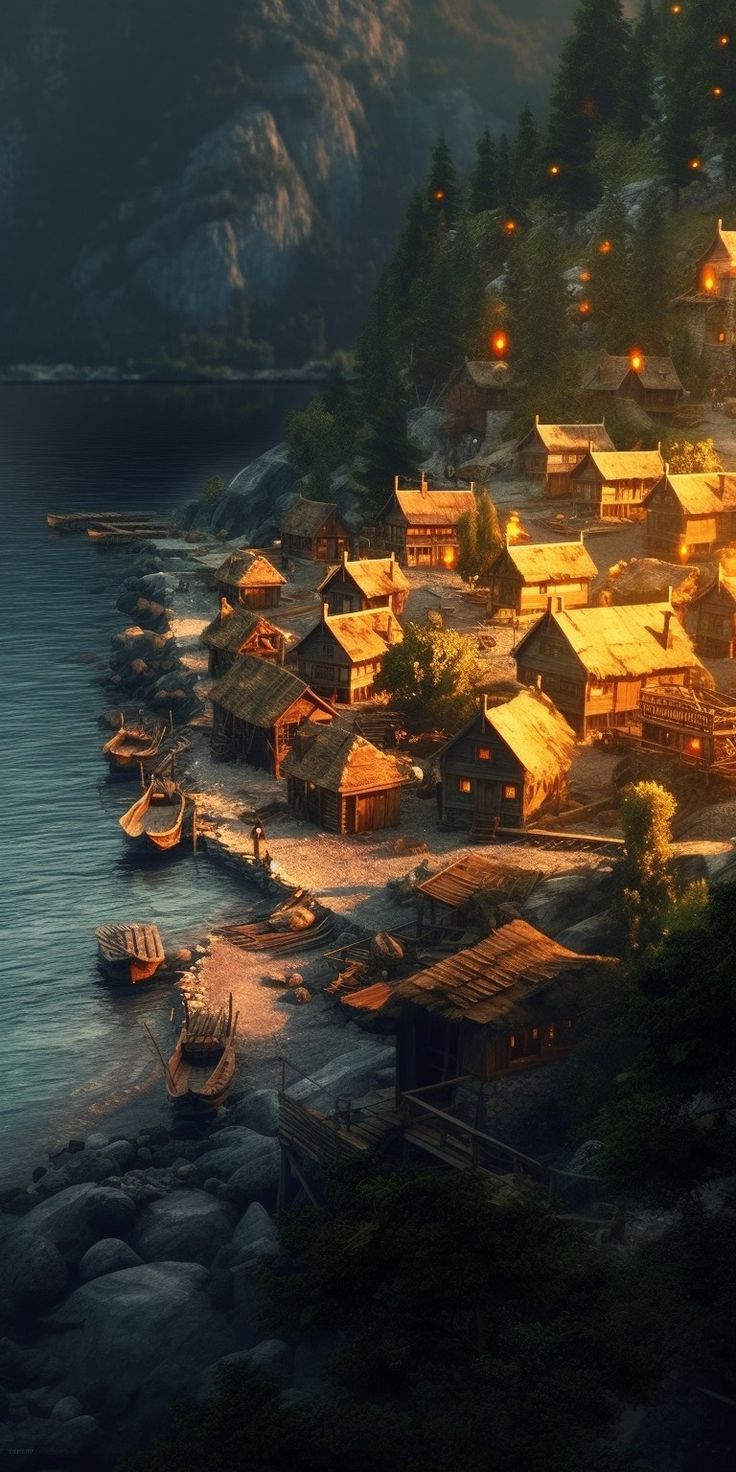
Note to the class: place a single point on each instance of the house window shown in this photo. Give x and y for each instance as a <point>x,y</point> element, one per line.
<point>483,754</point>
<point>464,784</point>
<point>509,792</point>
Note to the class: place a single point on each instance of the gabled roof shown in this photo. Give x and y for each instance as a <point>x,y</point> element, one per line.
<point>305,518</point>
<point>337,758</point>
<point>259,692</point>
<point>726,239</point>
<point>550,562</point>
<point>622,640</point>
<point>611,370</point>
<point>535,731</point>
<point>228,630</point>
<point>442,507</point>
<point>456,884</point>
<point>615,465</point>
<point>650,580</point>
<point>701,494</point>
<point>376,577</point>
<point>570,436</point>
<point>248,570</point>
<point>364,635</point>
<point>487,982</point>
<point>721,586</point>
<point>486,373</point>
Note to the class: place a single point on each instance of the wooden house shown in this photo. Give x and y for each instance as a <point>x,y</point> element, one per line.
<point>257,709</point>
<point>419,525</point>
<point>313,530</point>
<point>595,662</point>
<point>342,655</point>
<point>343,782</point>
<point>506,1004</point>
<point>477,387</point>
<point>649,380</point>
<point>370,582</point>
<point>688,516</point>
<point>236,631</point>
<point>707,309</point>
<point>612,484</point>
<point>525,575</point>
<point>696,726</point>
<point>447,900</point>
<point>248,580</point>
<point>507,764</point>
<point>549,453</point>
<point>710,618</point>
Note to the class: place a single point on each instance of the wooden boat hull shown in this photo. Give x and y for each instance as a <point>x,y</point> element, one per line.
<point>186,1092</point>
<point>143,838</point>
<point>200,1071</point>
<point>129,954</point>
<point>124,757</point>
<point>128,972</point>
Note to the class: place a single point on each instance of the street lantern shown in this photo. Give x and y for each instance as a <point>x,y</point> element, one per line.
<point>438,195</point>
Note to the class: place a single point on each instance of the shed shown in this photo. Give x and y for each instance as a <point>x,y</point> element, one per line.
<point>477,387</point>
<point>236,631</point>
<point>649,580</point>
<point>313,530</point>
<point>344,782</point>
<point>419,524</point>
<point>508,1003</point>
<point>342,655</point>
<point>444,900</point>
<point>362,583</point>
<point>697,726</point>
<point>688,516</point>
<point>653,383</point>
<point>257,709</point>
<point>710,618</point>
<point>549,453</point>
<point>507,764</point>
<point>525,575</point>
<point>612,484</point>
<point>247,579</point>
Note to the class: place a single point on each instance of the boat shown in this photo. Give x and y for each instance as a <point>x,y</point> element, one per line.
<point>79,521</point>
<point>201,1069</point>
<point>133,745</point>
<point>155,822</point>
<point>129,953</point>
<point>120,533</point>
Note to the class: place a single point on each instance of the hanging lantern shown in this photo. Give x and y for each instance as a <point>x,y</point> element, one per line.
<point>716,91</point>
<point>438,195</point>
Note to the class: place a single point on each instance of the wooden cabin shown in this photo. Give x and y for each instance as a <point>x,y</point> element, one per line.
<point>595,662</point>
<point>698,726</point>
<point>236,631</point>
<point>370,582</point>
<point>506,1004</point>
<point>248,580</point>
<point>446,901</point>
<point>707,309</point>
<point>257,708</point>
<point>612,484</point>
<point>419,525</point>
<point>688,516</point>
<point>549,453</point>
<point>343,782</point>
<point>649,380</point>
<point>525,575</point>
<point>475,389</point>
<point>342,655</point>
<point>507,764</point>
<point>313,530</point>
<point>710,618</point>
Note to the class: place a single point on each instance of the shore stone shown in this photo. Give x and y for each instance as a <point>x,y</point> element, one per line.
<point>255,1235</point>
<point>33,1273</point>
<point>258,1178</point>
<point>107,1256</point>
<point>66,1409</point>
<point>258,1111</point>
<point>74,1218</point>
<point>187,1226</point>
<point>97,1141</point>
<point>270,1354</point>
<point>122,1152</point>
<point>74,1146</point>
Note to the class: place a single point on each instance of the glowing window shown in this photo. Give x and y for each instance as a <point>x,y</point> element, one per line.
<point>464,784</point>
<point>509,792</point>
<point>484,754</point>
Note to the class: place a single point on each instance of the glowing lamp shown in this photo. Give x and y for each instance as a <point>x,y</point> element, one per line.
<point>695,164</point>
<point>721,337</point>
<point>723,40</point>
<point>695,744</point>
<point>675,9</point>
<point>636,360</point>
<point>716,91</point>
<point>605,248</point>
<point>585,275</point>
<point>500,344</point>
<point>709,281</point>
<point>438,194</point>
<point>554,170</point>
<point>448,557</point>
<point>682,550</point>
<point>509,226</point>
<point>584,308</point>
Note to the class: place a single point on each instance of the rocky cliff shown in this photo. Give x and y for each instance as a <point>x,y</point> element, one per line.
<point>165,162</point>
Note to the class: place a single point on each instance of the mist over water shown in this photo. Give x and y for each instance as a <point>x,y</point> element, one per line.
<point>71,1048</point>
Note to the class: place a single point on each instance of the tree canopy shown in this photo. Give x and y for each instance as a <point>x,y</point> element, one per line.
<point>432,677</point>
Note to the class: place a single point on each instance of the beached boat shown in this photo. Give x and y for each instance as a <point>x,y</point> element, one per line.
<point>129,954</point>
<point>133,745</point>
<point>155,821</point>
<point>79,521</point>
<point>201,1069</point>
<point>120,533</point>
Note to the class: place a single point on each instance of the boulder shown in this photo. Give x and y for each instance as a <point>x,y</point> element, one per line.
<point>107,1256</point>
<point>598,935</point>
<point>351,1074</point>
<point>36,1440</point>
<point>250,499</point>
<point>231,1148</point>
<point>258,1111</point>
<point>270,1354</point>
<point>254,1237</point>
<point>187,1226</point>
<point>33,1273</point>
<point>75,1218</point>
<point>586,1160</point>
<point>257,1177</point>
<point>121,1153</point>
<point>66,1409</point>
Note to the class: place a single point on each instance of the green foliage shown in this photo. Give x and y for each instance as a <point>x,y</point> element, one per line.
<point>690,361</point>
<point>437,344</point>
<point>480,540</point>
<point>213,489</point>
<point>442,188</point>
<point>541,352</point>
<point>647,811</point>
<point>691,457</point>
<point>484,193</point>
<point>636,108</point>
<point>610,275</point>
<point>584,97</point>
<point>386,448</point>
<point>432,678</point>
<point>317,443</point>
<point>650,271</point>
<point>525,163</point>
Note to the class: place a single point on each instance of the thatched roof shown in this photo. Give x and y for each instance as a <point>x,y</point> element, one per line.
<point>376,577</point>
<point>551,562</point>
<point>248,570</point>
<point>535,731</point>
<point>569,437</point>
<point>647,580</point>
<point>256,691</point>
<point>458,882</point>
<point>304,518</point>
<point>337,758</point>
<point>612,643</point>
<point>364,635</point>
<point>611,370</point>
<point>486,983</point>
<point>485,373</point>
<point>702,494</point>
<point>231,627</point>
<point>613,465</point>
<point>442,507</point>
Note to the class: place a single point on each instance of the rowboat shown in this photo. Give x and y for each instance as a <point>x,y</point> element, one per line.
<point>123,532</point>
<point>131,745</point>
<point>155,821</point>
<point>201,1068</point>
<point>79,521</point>
<point>129,953</point>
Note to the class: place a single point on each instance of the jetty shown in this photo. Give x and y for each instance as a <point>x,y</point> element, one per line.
<point>120,524</point>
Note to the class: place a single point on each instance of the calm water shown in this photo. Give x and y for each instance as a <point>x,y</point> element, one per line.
<point>70,1048</point>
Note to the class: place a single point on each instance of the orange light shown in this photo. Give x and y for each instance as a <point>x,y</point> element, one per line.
<point>584,308</point>
<point>694,744</point>
<point>636,360</point>
<point>554,170</point>
<point>721,337</point>
<point>723,40</point>
<point>709,281</point>
<point>682,549</point>
<point>500,344</point>
<point>675,9</point>
<point>589,108</point>
<point>605,248</point>
<point>585,275</point>
<point>716,91</point>
<point>438,194</point>
<point>695,163</point>
<point>514,529</point>
<point>509,226</point>
<point>449,557</point>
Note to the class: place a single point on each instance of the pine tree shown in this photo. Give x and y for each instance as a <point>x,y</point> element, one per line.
<point>585,95</point>
<point>480,540</point>
<point>503,170</point>
<point>650,292</point>
<point>437,340</point>
<point>377,342</point>
<point>470,299</point>
<point>682,117</point>
<point>525,162</point>
<point>484,178</point>
<point>707,22</point>
<point>387,449</point>
<point>610,289</point>
<point>541,358</point>
<point>409,261</point>
<point>443,190</point>
<point>636,100</point>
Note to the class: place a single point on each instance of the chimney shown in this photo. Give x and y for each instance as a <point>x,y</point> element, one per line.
<point>666,628</point>
<point>225,608</point>
<point>396,483</point>
<point>472,486</point>
<point>345,556</point>
<point>536,419</point>
<point>582,543</point>
<point>667,468</point>
<point>659,448</point>
<point>325,612</point>
<point>670,591</point>
<point>538,682</point>
<point>423,487</point>
<point>391,565</point>
<point>720,226</point>
<point>721,485</point>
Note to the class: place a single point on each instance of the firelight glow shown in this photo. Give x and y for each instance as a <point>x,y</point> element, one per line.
<point>554,169</point>
<point>636,360</point>
<point>509,226</point>
<point>709,281</point>
<point>438,194</point>
<point>500,343</point>
<point>585,275</point>
<point>695,163</point>
<point>584,308</point>
<point>605,248</point>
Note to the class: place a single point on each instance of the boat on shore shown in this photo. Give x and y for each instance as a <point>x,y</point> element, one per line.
<point>201,1069</point>
<point>133,745</point>
<point>79,521</point>
<point>118,534</point>
<point>129,954</point>
<point>155,822</point>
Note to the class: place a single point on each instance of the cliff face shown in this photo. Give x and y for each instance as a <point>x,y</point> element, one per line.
<point>164,161</point>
